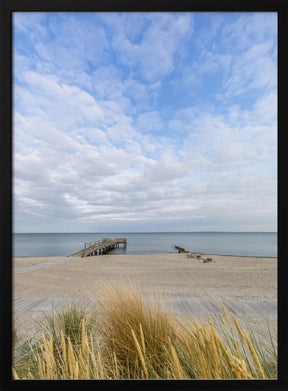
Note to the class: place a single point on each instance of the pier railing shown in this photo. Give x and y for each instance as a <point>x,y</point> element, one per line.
<point>89,244</point>
<point>98,247</point>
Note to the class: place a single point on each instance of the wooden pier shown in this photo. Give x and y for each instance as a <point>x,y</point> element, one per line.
<point>100,247</point>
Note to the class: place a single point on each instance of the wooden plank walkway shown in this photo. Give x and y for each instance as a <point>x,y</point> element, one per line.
<point>99,247</point>
<point>197,307</point>
<point>28,269</point>
<point>204,307</point>
<point>35,303</point>
<point>26,310</point>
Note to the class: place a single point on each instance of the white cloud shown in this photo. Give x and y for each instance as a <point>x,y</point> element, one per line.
<point>60,103</point>
<point>265,109</point>
<point>156,54</point>
<point>23,20</point>
<point>93,143</point>
<point>150,121</point>
<point>107,83</point>
<point>136,91</point>
<point>253,73</point>
<point>245,28</point>
<point>161,45</point>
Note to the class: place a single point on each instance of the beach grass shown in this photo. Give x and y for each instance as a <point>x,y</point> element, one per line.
<point>132,338</point>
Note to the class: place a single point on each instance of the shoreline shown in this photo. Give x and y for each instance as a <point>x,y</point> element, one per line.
<point>40,259</point>
<point>160,253</point>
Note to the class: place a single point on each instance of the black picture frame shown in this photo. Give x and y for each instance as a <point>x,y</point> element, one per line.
<point>10,6</point>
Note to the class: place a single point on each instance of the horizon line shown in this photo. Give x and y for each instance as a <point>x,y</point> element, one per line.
<point>143,232</point>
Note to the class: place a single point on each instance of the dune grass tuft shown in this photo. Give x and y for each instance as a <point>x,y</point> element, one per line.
<point>136,332</point>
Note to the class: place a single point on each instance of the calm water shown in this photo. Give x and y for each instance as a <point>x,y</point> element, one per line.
<point>232,243</point>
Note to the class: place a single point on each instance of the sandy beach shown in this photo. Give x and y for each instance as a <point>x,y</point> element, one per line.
<point>247,285</point>
<point>170,275</point>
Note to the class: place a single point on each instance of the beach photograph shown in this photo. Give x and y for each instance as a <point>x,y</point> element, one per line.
<point>144,193</point>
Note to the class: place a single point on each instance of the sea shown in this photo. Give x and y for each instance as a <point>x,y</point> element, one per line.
<point>257,244</point>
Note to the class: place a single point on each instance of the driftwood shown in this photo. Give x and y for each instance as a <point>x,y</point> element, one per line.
<point>200,257</point>
<point>181,250</point>
<point>209,260</point>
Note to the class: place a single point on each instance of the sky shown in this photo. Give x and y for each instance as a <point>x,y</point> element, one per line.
<point>144,122</point>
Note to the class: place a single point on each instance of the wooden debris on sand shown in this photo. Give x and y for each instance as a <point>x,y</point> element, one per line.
<point>181,250</point>
<point>200,257</point>
<point>194,255</point>
<point>208,260</point>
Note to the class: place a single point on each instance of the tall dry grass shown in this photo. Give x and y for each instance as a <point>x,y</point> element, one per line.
<point>135,332</point>
<point>135,339</point>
